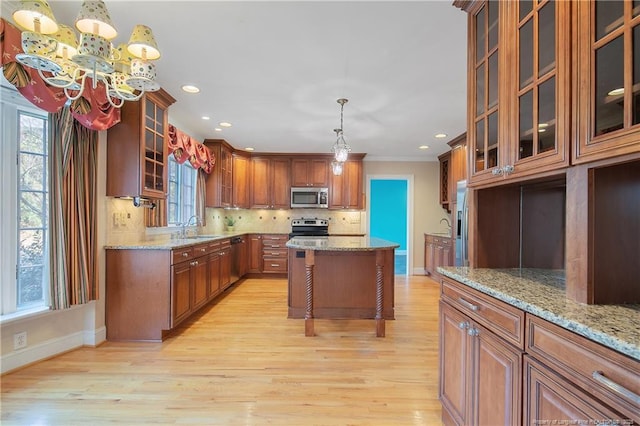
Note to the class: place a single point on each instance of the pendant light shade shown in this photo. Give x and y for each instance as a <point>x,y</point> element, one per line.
<point>94,18</point>
<point>340,148</point>
<point>142,44</point>
<point>36,16</point>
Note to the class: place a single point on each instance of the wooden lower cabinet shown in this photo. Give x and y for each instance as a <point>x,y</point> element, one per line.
<point>150,292</point>
<point>274,253</point>
<point>548,398</point>
<point>500,366</point>
<point>480,377</point>
<point>255,253</point>
<point>438,251</point>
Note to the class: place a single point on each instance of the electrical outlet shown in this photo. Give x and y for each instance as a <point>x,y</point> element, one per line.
<point>20,340</point>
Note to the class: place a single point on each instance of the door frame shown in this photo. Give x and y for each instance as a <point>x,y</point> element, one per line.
<point>409,206</point>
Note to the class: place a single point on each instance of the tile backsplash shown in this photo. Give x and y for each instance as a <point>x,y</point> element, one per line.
<point>125,222</point>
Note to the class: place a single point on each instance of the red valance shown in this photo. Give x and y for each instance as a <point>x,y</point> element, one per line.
<point>92,110</point>
<point>184,148</point>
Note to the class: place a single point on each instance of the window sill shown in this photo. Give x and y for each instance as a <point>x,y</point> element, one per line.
<point>25,314</point>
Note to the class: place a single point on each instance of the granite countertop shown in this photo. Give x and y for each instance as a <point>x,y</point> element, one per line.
<point>542,293</point>
<point>166,243</point>
<point>340,243</point>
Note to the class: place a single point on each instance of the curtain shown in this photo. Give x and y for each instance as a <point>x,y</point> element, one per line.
<point>72,211</point>
<point>201,192</point>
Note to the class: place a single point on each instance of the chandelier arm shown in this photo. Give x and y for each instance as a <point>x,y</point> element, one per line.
<point>73,98</point>
<point>111,102</point>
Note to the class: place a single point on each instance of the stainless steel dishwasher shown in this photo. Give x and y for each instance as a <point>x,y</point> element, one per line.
<point>236,258</point>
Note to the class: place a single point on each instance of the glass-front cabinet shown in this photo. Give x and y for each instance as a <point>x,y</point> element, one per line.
<point>519,109</point>
<point>154,156</point>
<point>608,95</point>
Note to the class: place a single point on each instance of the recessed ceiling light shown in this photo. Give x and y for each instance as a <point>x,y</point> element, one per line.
<point>206,117</point>
<point>542,130</point>
<point>218,129</point>
<point>440,135</point>
<point>543,125</point>
<point>225,124</point>
<point>190,89</point>
<point>423,147</point>
<point>248,148</point>
<point>616,92</point>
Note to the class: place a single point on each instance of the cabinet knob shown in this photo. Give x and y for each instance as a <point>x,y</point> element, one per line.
<point>463,325</point>
<point>185,254</point>
<point>473,332</point>
<point>194,263</point>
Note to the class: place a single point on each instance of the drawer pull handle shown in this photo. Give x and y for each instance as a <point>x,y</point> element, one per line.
<point>275,246</point>
<point>468,305</point>
<point>194,263</point>
<point>601,378</point>
<point>275,265</point>
<point>203,250</point>
<point>185,254</point>
<point>463,325</point>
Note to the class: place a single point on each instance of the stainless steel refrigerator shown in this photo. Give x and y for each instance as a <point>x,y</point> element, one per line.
<point>462,229</point>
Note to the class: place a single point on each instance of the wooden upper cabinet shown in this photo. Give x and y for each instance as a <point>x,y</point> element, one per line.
<point>608,79</point>
<point>220,182</point>
<point>457,165</point>
<point>346,190</point>
<point>240,181</point>
<point>519,97</point>
<point>445,180</point>
<point>270,187</point>
<point>310,172</point>
<point>137,148</point>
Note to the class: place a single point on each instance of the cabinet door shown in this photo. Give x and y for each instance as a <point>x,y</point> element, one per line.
<point>496,381</point>
<point>260,183</point>
<point>181,292</point>
<point>226,177</point>
<point>200,275</point>
<point>548,396</point>
<point>240,181</point>
<point>255,253</point>
<point>608,107</point>
<point>214,275</point>
<point>280,186</point>
<point>445,179</point>
<point>429,256</point>
<point>486,58</point>
<point>345,191</point>
<point>540,93</point>
<point>454,363</point>
<point>225,268</point>
<point>310,172</point>
<point>457,167</point>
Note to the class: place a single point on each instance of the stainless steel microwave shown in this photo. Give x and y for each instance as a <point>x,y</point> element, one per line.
<point>309,198</point>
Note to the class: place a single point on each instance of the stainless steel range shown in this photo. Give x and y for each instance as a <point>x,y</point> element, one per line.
<point>309,227</point>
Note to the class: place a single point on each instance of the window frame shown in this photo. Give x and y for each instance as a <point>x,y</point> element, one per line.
<point>186,208</point>
<point>12,104</point>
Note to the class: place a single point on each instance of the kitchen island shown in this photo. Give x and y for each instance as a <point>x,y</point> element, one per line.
<point>340,278</point>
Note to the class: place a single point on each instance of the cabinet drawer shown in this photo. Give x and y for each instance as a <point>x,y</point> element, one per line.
<point>501,318</point>
<point>201,250</point>
<point>612,377</point>
<point>181,254</point>
<point>274,252</point>
<point>274,264</point>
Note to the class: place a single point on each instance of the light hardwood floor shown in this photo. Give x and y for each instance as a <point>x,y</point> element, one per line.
<point>242,362</point>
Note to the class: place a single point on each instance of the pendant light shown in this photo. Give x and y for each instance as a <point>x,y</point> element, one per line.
<point>341,149</point>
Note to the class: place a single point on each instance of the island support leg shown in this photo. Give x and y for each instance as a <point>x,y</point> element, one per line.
<point>308,316</point>
<point>380,327</point>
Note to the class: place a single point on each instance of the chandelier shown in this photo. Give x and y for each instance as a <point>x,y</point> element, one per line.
<point>125,71</point>
<point>340,149</point>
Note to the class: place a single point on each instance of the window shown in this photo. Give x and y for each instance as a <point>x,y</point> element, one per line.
<point>181,200</point>
<point>24,204</point>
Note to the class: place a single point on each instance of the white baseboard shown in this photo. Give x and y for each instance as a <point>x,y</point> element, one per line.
<point>50,348</point>
<point>95,337</point>
<point>418,271</point>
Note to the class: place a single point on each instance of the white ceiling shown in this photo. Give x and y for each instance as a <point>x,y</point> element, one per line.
<point>275,70</point>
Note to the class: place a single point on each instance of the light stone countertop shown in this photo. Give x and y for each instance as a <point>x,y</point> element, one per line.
<point>341,243</point>
<point>166,243</point>
<point>542,293</point>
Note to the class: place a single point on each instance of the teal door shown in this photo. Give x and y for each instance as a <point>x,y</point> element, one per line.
<point>388,216</point>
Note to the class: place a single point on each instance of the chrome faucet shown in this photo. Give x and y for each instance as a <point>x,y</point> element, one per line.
<point>447,221</point>
<point>183,226</point>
